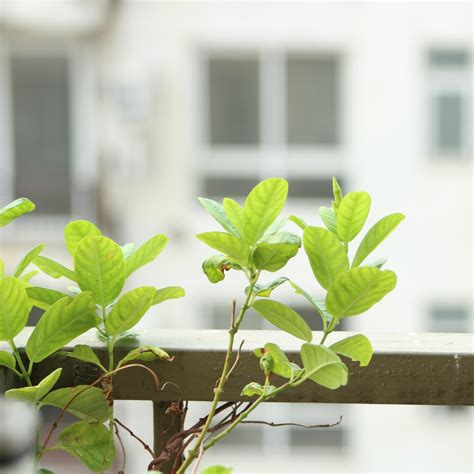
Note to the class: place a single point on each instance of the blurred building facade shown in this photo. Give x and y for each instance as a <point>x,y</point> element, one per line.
<point>124,112</point>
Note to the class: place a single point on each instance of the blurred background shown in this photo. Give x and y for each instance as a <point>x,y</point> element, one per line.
<point>123,112</point>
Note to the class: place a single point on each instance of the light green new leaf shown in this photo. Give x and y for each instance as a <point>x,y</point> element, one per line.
<point>273,257</point>
<point>328,216</point>
<point>358,289</point>
<point>215,267</point>
<point>318,304</point>
<point>2,268</point>
<point>217,470</point>
<point>26,277</point>
<point>15,209</point>
<point>255,389</point>
<point>281,365</point>
<point>62,322</point>
<point>284,317</point>
<point>27,259</point>
<point>88,403</point>
<point>145,254</point>
<point>36,393</point>
<point>298,221</point>
<point>337,193</point>
<point>168,293</point>
<point>283,238</point>
<point>45,471</point>
<point>145,354</point>
<point>43,297</point>
<point>357,348</point>
<point>262,206</point>
<point>130,308</point>
<point>352,214</point>
<point>7,360</point>
<point>75,231</point>
<point>265,290</point>
<point>376,235</point>
<point>228,244</point>
<point>235,213</point>
<point>89,442</point>
<point>323,366</point>
<point>15,308</point>
<point>326,255</point>
<point>217,211</point>
<point>99,266</point>
<point>53,269</point>
<point>84,353</point>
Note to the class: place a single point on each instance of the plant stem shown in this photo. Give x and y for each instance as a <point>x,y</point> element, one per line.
<point>24,373</point>
<point>326,334</point>
<point>223,378</point>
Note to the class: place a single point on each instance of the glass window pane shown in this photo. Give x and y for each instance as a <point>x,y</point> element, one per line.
<point>41,132</point>
<point>312,100</point>
<point>234,101</point>
<point>450,122</point>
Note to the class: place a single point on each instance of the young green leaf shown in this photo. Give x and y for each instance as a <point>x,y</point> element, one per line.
<point>27,259</point>
<point>36,393</point>
<point>92,443</point>
<point>352,214</point>
<point>323,366</point>
<point>326,255</point>
<point>215,267</point>
<point>375,236</point>
<point>228,244</point>
<point>84,353</point>
<point>7,360</point>
<point>328,216</point>
<point>281,365</point>
<point>145,354</point>
<point>65,320</point>
<point>2,268</point>
<point>298,221</point>
<point>26,277</point>
<point>217,470</point>
<point>282,238</point>
<point>284,317</point>
<point>24,394</point>
<point>130,308</point>
<point>273,257</point>
<point>358,289</point>
<point>88,403</point>
<point>145,254</point>
<point>265,290</point>
<point>15,209</point>
<point>15,308</point>
<point>337,193</point>
<point>255,389</point>
<point>318,304</point>
<point>235,213</point>
<point>168,293</point>
<point>53,269</point>
<point>357,348</point>
<point>75,231</point>
<point>262,206</point>
<point>99,266</point>
<point>217,211</point>
<point>43,297</point>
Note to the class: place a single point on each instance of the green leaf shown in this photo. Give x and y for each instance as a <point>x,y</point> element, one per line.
<point>75,231</point>
<point>217,470</point>
<point>15,209</point>
<point>88,403</point>
<point>27,259</point>
<point>168,293</point>
<point>235,213</point>
<point>145,354</point>
<point>2,268</point>
<point>53,269</point>
<point>26,277</point>
<point>262,206</point>
<point>265,290</point>
<point>358,289</point>
<point>298,221</point>
<point>273,257</point>
<point>7,360</point>
<point>84,353</point>
<point>228,244</point>
<point>352,214</point>
<point>62,322</point>
<point>215,267</point>
<point>284,318</point>
<point>283,238</point>
<point>99,266</point>
<point>326,255</point>
<point>36,393</point>
<point>45,471</point>
<point>217,211</point>
<point>92,443</point>
<point>337,193</point>
<point>254,388</point>
<point>130,308</point>
<point>323,366</point>
<point>145,254</point>
<point>357,348</point>
<point>328,216</point>
<point>43,297</point>
<point>375,236</point>
<point>15,308</point>
<point>318,304</point>
<point>281,365</point>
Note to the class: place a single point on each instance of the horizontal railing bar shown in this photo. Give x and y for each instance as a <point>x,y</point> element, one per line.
<point>420,369</point>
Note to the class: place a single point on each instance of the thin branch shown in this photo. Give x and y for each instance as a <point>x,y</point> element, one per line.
<point>232,318</point>
<point>180,453</point>
<point>299,425</point>
<point>133,435</point>
<point>198,460</point>
<point>237,357</point>
<point>124,455</point>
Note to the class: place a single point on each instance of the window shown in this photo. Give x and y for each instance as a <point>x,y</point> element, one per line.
<point>449,102</point>
<point>450,318</point>
<point>41,140</point>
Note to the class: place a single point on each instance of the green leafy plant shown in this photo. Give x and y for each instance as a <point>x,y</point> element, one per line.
<point>98,301</point>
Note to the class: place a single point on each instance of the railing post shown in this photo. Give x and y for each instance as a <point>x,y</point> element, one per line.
<point>166,422</point>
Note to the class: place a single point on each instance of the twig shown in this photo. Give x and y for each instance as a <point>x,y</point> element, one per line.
<point>124,461</point>
<point>237,357</point>
<point>180,453</point>
<point>276,425</point>
<point>232,317</point>
<point>198,460</point>
<point>133,435</point>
